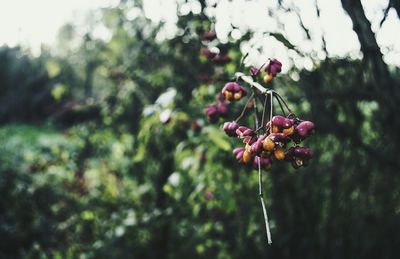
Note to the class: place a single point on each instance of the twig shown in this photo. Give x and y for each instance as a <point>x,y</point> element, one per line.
<point>263,203</point>
<point>245,107</point>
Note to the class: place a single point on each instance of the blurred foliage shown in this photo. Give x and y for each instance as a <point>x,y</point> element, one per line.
<point>105,153</point>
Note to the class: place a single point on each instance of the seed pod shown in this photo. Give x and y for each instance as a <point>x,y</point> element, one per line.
<point>281,122</point>
<point>238,153</point>
<point>303,152</point>
<point>305,128</point>
<point>274,67</point>
<point>243,131</point>
<point>278,137</point>
<point>257,146</point>
<point>230,128</point>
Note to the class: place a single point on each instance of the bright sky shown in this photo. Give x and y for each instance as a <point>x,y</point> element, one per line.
<point>31,23</point>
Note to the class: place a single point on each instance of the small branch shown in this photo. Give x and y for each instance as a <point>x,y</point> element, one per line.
<point>385,13</point>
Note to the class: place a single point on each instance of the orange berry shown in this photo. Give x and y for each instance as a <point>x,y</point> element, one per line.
<point>275,129</point>
<point>288,131</point>
<point>247,147</point>
<point>279,153</point>
<point>247,157</point>
<point>237,96</point>
<point>268,144</point>
<point>228,95</point>
<point>268,78</point>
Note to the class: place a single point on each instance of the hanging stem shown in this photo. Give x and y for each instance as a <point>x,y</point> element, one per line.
<point>263,113</point>
<point>280,104</point>
<point>280,97</point>
<point>263,203</point>
<point>255,112</point>
<point>245,107</point>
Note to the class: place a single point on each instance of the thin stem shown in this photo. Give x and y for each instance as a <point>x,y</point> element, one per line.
<point>263,203</point>
<point>287,107</point>
<point>280,104</point>
<point>255,112</point>
<point>245,107</point>
<point>271,110</point>
<point>263,113</point>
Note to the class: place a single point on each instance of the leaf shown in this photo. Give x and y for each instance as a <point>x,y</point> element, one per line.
<point>219,138</point>
<point>286,42</point>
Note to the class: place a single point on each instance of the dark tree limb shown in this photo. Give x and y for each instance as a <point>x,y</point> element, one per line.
<point>369,46</point>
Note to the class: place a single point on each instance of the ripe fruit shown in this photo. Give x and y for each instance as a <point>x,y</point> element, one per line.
<point>281,122</point>
<point>288,131</point>
<point>237,96</point>
<point>233,91</point>
<point>230,128</point>
<point>228,96</point>
<point>268,144</point>
<point>279,154</point>
<point>268,78</point>
<point>247,157</point>
<point>274,67</point>
<point>304,129</point>
<point>275,129</point>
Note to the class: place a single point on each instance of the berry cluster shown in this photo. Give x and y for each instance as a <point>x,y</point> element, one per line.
<point>273,145</point>
<point>276,140</point>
